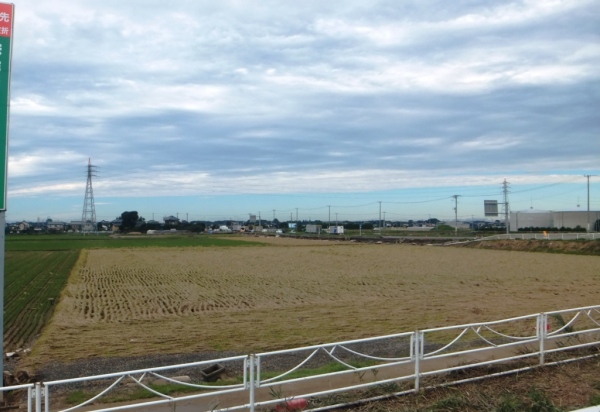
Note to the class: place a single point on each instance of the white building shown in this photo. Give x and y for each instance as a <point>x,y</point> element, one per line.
<point>531,218</point>
<point>548,218</point>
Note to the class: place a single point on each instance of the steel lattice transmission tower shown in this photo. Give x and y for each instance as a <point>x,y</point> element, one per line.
<point>88,217</point>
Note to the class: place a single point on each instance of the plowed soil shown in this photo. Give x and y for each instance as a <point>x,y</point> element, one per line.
<point>130,302</point>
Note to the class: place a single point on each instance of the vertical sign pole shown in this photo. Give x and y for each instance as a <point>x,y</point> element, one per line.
<point>6,31</point>
<point>2,240</point>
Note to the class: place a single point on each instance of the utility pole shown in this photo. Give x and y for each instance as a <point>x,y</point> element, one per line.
<point>506,209</point>
<point>380,217</point>
<point>455,214</point>
<point>296,215</point>
<point>589,228</point>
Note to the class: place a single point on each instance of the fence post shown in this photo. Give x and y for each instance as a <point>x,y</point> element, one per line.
<point>38,397</point>
<point>29,398</point>
<point>251,380</point>
<point>542,325</point>
<point>46,390</point>
<point>416,356</point>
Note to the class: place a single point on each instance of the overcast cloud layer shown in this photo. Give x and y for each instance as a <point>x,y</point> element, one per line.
<point>196,98</point>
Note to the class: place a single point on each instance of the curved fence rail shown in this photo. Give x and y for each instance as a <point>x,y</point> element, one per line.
<point>332,375</point>
<point>544,236</point>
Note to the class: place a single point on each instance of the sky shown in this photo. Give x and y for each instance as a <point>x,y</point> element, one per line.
<point>210,110</point>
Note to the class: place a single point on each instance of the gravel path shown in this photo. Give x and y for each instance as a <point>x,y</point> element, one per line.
<point>282,362</point>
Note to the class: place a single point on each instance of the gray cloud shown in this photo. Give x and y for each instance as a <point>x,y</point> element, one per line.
<point>255,90</point>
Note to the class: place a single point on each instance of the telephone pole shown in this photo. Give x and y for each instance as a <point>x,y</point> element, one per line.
<point>506,209</point>
<point>589,228</point>
<point>88,217</point>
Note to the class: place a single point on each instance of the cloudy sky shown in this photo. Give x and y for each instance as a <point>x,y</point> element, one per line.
<point>217,109</point>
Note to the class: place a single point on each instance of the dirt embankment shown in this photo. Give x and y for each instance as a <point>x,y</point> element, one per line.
<point>578,247</point>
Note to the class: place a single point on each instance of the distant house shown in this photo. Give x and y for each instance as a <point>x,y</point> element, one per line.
<point>115,225</point>
<point>104,225</point>
<point>89,226</point>
<point>171,221</point>
<point>75,225</point>
<point>23,226</point>
<point>79,226</point>
<point>153,224</point>
<point>56,226</point>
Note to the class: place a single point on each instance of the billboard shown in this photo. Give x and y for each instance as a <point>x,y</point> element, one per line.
<point>490,207</point>
<point>6,31</point>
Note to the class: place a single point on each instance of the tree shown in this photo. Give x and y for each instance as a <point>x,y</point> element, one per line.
<point>195,227</point>
<point>128,220</point>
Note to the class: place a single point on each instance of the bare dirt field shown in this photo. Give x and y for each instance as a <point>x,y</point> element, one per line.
<point>129,302</point>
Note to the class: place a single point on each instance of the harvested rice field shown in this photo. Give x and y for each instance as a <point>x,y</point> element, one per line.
<point>129,302</point>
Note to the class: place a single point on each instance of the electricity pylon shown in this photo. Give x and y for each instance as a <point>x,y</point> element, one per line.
<point>88,217</point>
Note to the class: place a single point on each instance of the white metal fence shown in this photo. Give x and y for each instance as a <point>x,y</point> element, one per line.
<point>545,236</point>
<point>336,374</point>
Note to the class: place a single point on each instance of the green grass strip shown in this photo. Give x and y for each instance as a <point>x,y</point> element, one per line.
<point>71,242</point>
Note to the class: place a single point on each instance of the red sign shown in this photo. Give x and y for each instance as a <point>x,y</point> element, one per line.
<point>6,16</point>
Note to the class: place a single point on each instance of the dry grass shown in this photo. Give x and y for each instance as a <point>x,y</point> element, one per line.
<point>128,302</point>
<point>551,389</point>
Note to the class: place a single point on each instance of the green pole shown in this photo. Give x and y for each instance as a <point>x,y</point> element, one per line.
<point>6,32</point>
